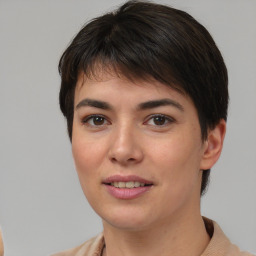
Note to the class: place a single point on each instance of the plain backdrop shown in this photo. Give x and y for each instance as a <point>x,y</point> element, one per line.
<point>42,207</point>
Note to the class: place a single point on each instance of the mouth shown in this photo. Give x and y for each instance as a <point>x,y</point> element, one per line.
<point>127,187</point>
<point>129,184</point>
<point>130,181</point>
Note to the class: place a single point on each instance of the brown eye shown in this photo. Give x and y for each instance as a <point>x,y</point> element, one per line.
<point>98,120</point>
<point>95,120</point>
<point>159,120</point>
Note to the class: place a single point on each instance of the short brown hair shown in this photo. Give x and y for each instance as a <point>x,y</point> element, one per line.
<point>144,40</point>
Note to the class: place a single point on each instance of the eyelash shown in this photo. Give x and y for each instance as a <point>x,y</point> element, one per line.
<point>167,120</point>
<point>86,120</point>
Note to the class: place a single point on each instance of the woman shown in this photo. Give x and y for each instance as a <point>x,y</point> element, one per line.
<point>144,91</point>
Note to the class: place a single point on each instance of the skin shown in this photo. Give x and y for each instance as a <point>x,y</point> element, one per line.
<point>127,140</point>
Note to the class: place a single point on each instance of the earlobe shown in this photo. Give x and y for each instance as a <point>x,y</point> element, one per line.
<point>213,145</point>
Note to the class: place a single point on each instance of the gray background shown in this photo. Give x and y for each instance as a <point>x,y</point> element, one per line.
<point>42,208</point>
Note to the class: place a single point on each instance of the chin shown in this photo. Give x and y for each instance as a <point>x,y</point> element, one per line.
<point>126,224</point>
<point>127,219</point>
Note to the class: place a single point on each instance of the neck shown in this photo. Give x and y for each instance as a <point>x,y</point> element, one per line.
<point>179,237</point>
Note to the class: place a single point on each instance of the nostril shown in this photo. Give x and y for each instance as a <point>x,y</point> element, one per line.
<point>123,161</point>
<point>125,155</point>
<point>113,159</point>
<point>131,160</point>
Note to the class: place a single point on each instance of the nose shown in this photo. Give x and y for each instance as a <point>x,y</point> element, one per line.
<point>125,147</point>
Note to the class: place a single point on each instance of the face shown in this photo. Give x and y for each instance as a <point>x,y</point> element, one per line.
<point>138,151</point>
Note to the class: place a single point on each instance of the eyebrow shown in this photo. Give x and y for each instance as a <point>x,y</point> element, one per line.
<point>160,103</point>
<point>93,103</point>
<point>142,106</point>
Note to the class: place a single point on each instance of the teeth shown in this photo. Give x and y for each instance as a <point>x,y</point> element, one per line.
<point>121,184</point>
<point>129,184</point>
<point>136,184</point>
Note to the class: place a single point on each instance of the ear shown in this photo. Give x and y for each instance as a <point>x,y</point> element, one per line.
<point>213,145</point>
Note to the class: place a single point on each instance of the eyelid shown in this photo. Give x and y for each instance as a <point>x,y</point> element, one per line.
<point>168,118</point>
<point>85,120</point>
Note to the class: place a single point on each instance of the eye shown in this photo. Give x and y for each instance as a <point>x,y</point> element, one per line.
<point>159,120</point>
<point>95,120</point>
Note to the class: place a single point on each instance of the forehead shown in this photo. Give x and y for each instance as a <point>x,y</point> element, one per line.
<point>110,75</point>
<point>122,92</point>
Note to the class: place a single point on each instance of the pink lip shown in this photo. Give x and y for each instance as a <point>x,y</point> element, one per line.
<point>126,193</point>
<point>116,178</point>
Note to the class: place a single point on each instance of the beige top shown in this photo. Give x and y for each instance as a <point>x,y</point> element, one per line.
<point>219,245</point>
<point>1,245</point>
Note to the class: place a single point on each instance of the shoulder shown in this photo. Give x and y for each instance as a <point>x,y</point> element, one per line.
<point>220,245</point>
<point>92,247</point>
<point>233,250</point>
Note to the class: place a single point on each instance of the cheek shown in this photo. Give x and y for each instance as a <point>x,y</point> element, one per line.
<point>178,161</point>
<point>88,155</point>
<point>87,158</point>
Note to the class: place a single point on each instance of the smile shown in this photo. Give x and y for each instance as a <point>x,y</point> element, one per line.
<point>127,187</point>
<point>129,184</point>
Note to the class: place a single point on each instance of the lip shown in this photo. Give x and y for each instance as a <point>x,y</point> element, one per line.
<point>126,193</point>
<point>116,178</point>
